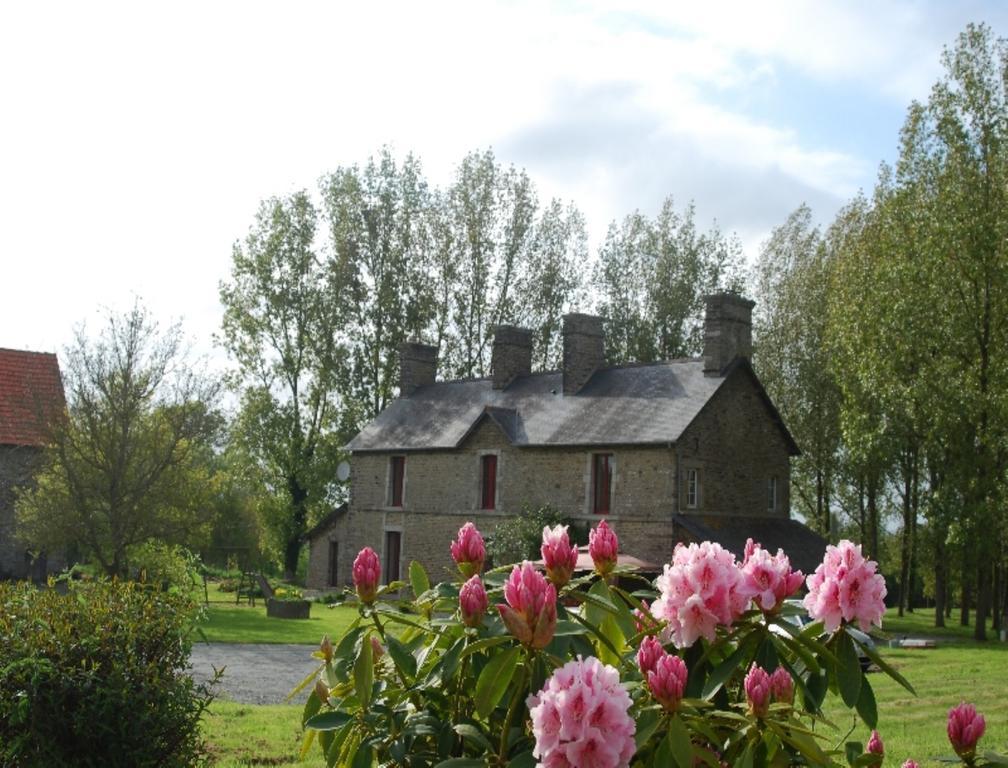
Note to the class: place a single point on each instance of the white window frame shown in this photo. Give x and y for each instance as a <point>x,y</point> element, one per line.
<point>692,488</point>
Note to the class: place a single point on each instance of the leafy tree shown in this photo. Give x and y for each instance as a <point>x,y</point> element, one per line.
<point>652,277</point>
<point>283,314</point>
<point>380,255</point>
<point>792,285</point>
<point>127,463</point>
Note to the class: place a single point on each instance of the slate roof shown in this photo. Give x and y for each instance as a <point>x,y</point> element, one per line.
<point>804,547</point>
<point>326,522</point>
<point>31,393</point>
<point>625,405</point>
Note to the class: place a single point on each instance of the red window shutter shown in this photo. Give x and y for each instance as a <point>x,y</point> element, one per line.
<point>602,482</point>
<point>489,481</point>
<point>393,551</point>
<point>398,471</point>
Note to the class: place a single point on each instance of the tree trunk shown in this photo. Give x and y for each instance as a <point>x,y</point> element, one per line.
<point>295,534</point>
<point>996,601</point>
<point>873,517</point>
<point>983,600</point>
<point>966,598</point>
<point>940,580</point>
<point>914,509</point>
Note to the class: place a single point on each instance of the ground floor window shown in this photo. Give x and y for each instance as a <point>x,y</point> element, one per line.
<point>333,563</point>
<point>393,551</point>
<point>488,481</point>
<point>602,469</point>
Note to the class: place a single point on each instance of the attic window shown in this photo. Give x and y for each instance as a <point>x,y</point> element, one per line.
<point>602,469</point>
<point>397,474</point>
<point>488,481</point>
<point>692,488</point>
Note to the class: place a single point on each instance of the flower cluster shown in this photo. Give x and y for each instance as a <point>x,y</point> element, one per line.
<point>530,614</point>
<point>581,718</point>
<point>664,673</point>
<point>845,587</point>
<point>702,588</point>
<point>769,578</point>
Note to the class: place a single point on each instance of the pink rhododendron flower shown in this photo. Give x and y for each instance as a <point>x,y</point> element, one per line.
<point>643,620</point>
<point>366,574</point>
<point>530,614</point>
<point>965,727</point>
<point>472,602</point>
<point>910,764</point>
<point>468,550</point>
<point>603,547</point>
<point>875,748</point>
<point>702,588</point>
<point>558,555</point>
<point>580,718</point>
<point>846,587</point>
<point>782,686</point>
<point>757,690</point>
<point>648,654</point>
<point>668,681</point>
<point>769,578</point>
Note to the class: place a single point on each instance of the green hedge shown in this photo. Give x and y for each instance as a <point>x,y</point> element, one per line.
<point>96,677</point>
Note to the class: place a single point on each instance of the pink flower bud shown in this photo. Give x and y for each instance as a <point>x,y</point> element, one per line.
<point>668,681</point>
<point>965,727</point>
<point>648,654</point>
<point>377,649</point>
<point>604,548</point>
<point>472,602</point>
<point>875,746</point>
<point>643,620</point>
<point>757,690</point>
<point>558,555</point>
<point>366,573</point>
<point>326,647</point>
<point>782,686</point>
<point>910,764</point>
<point>530,614</point>
<point>468,550</point>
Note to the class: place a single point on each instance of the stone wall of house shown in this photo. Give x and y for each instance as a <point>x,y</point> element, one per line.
<point>734,443</point>
<point>737,447</point>
<point>17,465</point>
<point>319,547</point>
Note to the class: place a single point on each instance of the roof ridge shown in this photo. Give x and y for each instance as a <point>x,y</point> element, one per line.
<point>27,351</point>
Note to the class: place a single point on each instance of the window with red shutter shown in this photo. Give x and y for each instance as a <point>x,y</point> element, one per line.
<point>397,471</point>
<point>393,553</point>
<point>489,481</point>
<point>602,467</point>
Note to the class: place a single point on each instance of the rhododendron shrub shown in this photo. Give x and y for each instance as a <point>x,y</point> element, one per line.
<point>537,664</point>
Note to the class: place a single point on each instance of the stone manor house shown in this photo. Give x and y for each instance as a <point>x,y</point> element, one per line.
<point>682,450</point>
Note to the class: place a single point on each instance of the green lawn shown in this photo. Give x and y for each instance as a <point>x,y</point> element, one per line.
<point>248,735</point>
<point>920,623</point>
<point>230,623</point>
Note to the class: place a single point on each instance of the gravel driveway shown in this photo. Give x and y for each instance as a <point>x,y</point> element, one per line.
<point>254,673</point>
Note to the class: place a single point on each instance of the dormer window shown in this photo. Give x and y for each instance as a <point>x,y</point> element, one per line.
<point>397,476</point>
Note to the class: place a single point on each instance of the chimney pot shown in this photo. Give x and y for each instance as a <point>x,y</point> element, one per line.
<point>417,366</point>
<point>512,354</point>
<point>727,331</point>
<point>583,350</point>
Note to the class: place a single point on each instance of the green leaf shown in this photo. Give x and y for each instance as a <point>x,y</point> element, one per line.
<point>311,707</point>
<point>866,706</point>
<point>723,671</point>
<point>418,579</point>
<point>494,680</point>
<point>363,671</point>
<point>462,762</point>
<point>523,760</point>
<point>328,721</point>
<point>663,752</point>
<point>647,724</point>
<point>853,750</point>
<point>486,642</point>
<point>848,670</point>
<point>873,654</point>
<point>995,759</point>
<point>403,659</point>
<point>679,743</point>
<point>474,734</point>
<point>364,757</point>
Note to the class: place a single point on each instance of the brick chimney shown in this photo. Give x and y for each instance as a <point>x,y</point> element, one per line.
<point>727,331</point>
<point>512,354</point>
<point>583,350</point>
<point>417,366</point>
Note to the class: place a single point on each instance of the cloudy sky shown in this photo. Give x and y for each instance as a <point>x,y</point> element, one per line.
<point>136,140</point>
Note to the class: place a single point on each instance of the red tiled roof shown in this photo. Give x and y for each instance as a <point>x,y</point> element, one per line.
<point>31,393</point>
